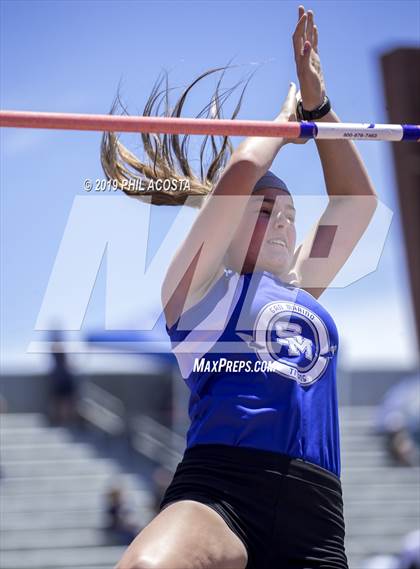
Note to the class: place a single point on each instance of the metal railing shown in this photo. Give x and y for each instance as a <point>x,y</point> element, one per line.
<point>157,442</point>
<point>147,436</point>
<point>103,410</point>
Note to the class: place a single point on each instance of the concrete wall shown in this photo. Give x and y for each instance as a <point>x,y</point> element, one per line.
<point>367,387</point>
<point>152,394</point>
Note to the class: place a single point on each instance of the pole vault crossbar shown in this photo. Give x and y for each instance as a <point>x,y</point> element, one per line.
<point>221,127</point>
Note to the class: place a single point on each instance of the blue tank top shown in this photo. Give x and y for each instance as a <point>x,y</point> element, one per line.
<point>259,357</point>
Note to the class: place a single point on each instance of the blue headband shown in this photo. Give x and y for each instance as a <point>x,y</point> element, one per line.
<point>270,180</point>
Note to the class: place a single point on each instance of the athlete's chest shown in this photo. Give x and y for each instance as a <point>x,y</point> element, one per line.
<point>286,327</point>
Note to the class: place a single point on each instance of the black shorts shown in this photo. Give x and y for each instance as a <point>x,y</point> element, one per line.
<point>287,512</point>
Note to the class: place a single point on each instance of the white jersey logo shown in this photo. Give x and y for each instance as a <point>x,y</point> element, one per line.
<point>294,339</point>
<point>296,344</point>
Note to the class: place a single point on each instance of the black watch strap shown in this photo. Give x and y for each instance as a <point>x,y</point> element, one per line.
<point>315,114</point>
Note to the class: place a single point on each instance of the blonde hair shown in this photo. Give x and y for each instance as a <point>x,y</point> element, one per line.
<point>167,155</point>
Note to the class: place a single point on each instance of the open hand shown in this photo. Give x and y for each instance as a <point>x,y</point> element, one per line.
<point>308,63</point>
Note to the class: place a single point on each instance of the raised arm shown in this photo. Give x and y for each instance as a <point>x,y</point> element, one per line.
<point>198,261</point>
<point>352,196</point>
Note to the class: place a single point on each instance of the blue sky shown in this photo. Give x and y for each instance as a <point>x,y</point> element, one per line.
<point>71,56</point>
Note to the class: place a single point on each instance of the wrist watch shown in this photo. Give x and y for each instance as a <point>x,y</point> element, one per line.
<point>323,109</point>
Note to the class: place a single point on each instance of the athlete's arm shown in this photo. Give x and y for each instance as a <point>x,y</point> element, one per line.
<point>352,196</point>
<point>199,260</point>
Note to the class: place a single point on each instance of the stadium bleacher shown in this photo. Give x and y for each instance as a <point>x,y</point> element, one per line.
<point>52,495</point>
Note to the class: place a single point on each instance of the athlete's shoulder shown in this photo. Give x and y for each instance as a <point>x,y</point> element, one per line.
<point>212,307</point>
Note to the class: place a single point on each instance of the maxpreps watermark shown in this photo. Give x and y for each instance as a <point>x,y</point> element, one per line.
<point>137,185</point>
<point>202,365</point>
